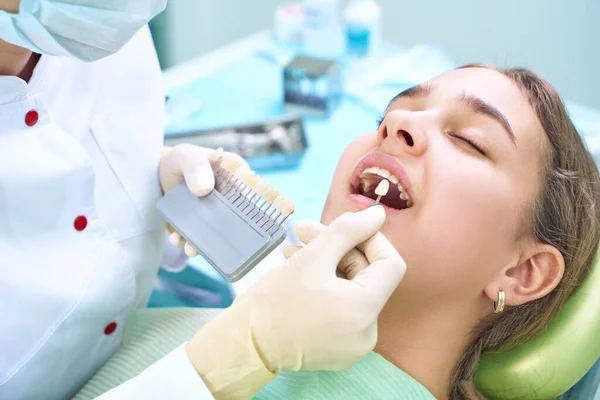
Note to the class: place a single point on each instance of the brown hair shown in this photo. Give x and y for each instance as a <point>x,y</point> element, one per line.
<point>564,215</point>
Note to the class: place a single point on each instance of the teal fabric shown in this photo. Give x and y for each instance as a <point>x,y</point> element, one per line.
<point>372,378</point>
<point>150,334</point>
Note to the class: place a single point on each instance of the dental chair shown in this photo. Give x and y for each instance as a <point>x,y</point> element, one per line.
<point>551,363</point>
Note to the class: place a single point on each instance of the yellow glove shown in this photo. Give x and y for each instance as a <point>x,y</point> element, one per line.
<point>302,316</point>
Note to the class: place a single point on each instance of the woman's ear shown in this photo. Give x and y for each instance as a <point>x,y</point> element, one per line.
<point>538,272</point>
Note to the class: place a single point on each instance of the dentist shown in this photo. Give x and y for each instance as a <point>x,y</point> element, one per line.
<point>81,169</point>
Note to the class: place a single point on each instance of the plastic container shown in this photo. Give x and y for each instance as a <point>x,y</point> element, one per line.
<point>289,24</point>
<point>323,32</point>
<point>362,27</point>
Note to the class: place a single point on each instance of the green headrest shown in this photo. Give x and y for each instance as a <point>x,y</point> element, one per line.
<point>552,362</point>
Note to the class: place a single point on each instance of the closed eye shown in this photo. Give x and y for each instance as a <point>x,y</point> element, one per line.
<point>470,142</point>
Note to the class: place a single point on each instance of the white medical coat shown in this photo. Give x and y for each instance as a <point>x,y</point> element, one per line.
<point>80,240</point>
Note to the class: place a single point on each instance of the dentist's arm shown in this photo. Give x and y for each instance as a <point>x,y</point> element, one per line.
<point>300,316</point>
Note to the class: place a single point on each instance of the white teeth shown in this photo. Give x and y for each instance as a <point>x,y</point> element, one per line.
<point>403,194</point>
<point>381,172</point>
<point>367,186</point>
<point>384,173</point>
<point>371,170</point>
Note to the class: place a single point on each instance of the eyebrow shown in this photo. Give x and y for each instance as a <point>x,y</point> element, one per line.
<point>477,105</point>
<point>413,92</point>
<point>481,107</point>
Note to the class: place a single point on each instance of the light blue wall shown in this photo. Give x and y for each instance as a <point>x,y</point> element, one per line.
<point>557,38</point>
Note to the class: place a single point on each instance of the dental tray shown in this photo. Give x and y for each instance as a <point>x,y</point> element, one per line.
<point>235,226</point>
<point>274,143</point>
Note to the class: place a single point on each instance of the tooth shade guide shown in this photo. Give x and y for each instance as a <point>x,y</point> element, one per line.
<point>252,214</point>
<point>230,164</point>
<point>270,195</point>
<point>251,194</point>
<point>278,203</point>
<point>261,187</point>
<point>247,176</point>
<point>256,199</point>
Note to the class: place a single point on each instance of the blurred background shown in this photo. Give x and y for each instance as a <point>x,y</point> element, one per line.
<point>558,39</point>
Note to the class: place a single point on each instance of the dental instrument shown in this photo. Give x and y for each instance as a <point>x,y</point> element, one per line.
<point>236,225</point>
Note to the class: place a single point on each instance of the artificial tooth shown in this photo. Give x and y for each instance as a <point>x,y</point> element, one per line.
<point>287,208</point>
<point>270,195</point>
<point>230,164</point>
<point>382,188</point>
<point>279,202</point>
<point>261,187</point>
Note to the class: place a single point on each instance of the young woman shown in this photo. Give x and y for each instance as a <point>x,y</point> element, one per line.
<point>497,204</point>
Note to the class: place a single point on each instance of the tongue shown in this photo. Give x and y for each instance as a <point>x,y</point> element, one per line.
<point>392,198</point>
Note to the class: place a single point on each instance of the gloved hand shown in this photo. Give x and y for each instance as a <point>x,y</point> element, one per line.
<point>349,266</point>
<point>194,164</point>
<point>301,316</point>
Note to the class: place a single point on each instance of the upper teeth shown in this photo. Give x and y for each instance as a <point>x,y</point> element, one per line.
<point>387,175</point>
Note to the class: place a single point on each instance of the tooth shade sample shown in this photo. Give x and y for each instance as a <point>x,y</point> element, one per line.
<point>382,188</point>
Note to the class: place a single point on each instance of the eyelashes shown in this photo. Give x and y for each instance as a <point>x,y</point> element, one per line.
<point>378,121</point>
<point>470,142</point>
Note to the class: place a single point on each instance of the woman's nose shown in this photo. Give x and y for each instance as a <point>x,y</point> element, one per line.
<point>400,128</point>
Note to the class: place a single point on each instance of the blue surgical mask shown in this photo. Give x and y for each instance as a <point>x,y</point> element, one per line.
<point>83,29</point>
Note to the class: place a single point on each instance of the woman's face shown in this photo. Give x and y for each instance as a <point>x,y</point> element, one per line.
<point>467,149</point>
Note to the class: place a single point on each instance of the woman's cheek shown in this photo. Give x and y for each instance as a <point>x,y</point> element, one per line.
<point>336,203</point>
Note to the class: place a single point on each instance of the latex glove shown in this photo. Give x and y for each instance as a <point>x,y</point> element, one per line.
<point>301,316</point>
<point>194,164</point>
<point>349,266</point>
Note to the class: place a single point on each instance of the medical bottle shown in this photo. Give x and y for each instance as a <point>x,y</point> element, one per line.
<point>323,33</point>
<point>362,28</point>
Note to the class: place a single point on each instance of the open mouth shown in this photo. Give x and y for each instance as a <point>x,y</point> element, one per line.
<point>367,177</point>
<point>396,197</point>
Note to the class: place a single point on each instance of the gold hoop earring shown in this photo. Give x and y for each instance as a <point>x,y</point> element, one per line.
<point>499,307</point>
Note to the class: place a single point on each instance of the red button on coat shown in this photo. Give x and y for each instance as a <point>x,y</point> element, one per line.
<point>31,118</point>
<point>110,328</point>
<point>80,223</point>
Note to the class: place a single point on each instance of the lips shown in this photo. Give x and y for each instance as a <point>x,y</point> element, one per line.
<point>377,166</point>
